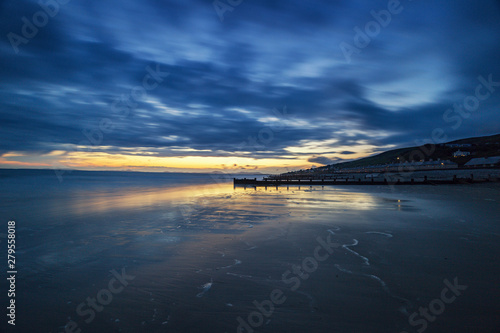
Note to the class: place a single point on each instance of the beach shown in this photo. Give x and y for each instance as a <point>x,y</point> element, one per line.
<point>235,166</point>
<point>104,252</point>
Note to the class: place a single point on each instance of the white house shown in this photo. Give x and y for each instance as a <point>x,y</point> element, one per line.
<point>458,145</point>
<point>460,153</point>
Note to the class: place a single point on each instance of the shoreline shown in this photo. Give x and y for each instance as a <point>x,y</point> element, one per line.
<point>420,177</point>
<point>356,181</point>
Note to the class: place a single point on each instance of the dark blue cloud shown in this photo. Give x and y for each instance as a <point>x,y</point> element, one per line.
<point>323,160</point>
<point>225,78</point>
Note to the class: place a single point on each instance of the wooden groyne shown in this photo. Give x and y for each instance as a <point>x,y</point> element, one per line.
<point>354,181</point>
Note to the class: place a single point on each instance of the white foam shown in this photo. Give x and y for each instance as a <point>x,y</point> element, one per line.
<point>236,262</point>
<point>206,287</point>
<point>383,284</point>
<point>379,233</point>
<point>343,269</point>
<point>240,275</point>
<point>365,259</point>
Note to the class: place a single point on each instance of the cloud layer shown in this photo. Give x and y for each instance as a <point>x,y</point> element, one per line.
<point>229,81</point>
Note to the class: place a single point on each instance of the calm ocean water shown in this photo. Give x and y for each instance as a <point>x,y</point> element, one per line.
<point>139,252</point>
<point>40,195</point>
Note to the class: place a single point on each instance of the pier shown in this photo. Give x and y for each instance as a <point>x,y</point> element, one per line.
<point>356,181</point>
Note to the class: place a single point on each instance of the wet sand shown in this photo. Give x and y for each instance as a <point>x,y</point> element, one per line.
<point>202,258</point>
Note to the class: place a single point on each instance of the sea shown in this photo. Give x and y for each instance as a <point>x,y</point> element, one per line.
<point>115,251</point>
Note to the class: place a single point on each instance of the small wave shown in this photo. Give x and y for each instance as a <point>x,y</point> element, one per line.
<point>384,287</point>
<point>236,262</point>
<point>206,287</point>
<point>240,275</point>
<point>365,259</point>
<point>343,269</point>
<point>379,233</point>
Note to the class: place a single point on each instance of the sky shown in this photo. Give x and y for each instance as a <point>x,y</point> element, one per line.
<point>241,85</point>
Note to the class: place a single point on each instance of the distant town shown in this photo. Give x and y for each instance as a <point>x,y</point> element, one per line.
<point>481,152</point>
<point>468,161</point>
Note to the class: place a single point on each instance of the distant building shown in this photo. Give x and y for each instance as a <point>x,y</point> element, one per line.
<point>398,167</point>
<point>458,145</point>
<point>460,153</point>
<point>483,161</point>
<point>434,164</point>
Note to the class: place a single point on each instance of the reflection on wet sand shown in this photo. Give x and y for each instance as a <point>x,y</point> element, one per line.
<point>128,199</point>
<point>82,202</point>
<point>312,197</point>
<point>202,255</point>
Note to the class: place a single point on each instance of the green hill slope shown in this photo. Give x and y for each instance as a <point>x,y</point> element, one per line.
<point>485,146</point>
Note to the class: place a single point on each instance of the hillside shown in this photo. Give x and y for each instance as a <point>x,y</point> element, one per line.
<point>485,146</point>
